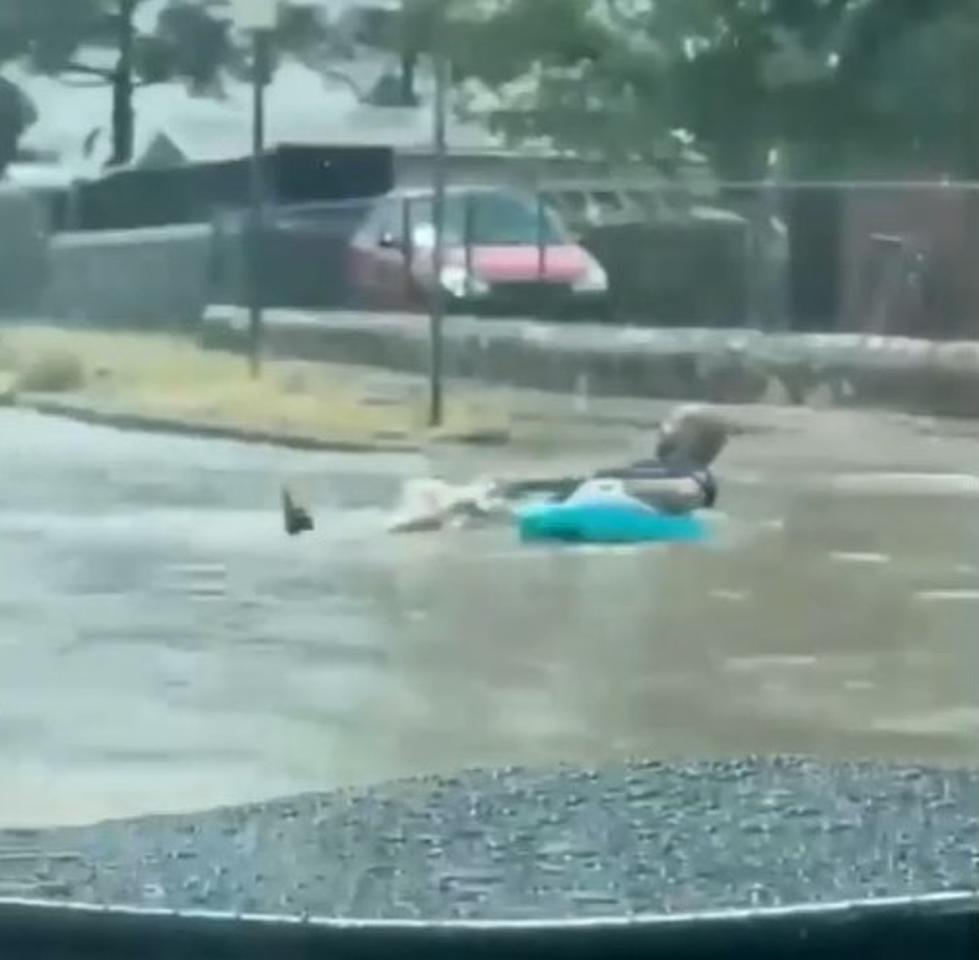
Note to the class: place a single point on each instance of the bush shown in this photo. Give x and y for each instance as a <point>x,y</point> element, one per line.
<point>55,372</point>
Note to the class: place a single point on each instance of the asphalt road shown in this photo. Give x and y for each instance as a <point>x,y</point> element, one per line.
<point>163,647</point>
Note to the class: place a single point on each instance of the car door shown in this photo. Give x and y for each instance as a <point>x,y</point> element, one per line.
<point>381,267</point>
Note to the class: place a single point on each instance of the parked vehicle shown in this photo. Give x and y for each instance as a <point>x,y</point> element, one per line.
<point>504,253</point>
<point>586,205</point>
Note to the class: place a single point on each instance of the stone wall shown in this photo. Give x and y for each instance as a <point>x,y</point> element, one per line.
<point>733,366</point>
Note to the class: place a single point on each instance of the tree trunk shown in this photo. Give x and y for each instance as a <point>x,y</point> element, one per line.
<point>122,88</point>
<point>409,57</point>
<point>409,63</point>
<point>17,113</point>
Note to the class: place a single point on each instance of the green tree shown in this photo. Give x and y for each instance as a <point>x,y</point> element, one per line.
<point>407,30</point>
<point>189,43</point>
<point>50,35</point>
<point>841,81</point>
<point>762,76</point>
<point>301,32</point>
<point>17,113</point>
<point>618,76</point>
<point>583,74</point>
<point>905,88</point>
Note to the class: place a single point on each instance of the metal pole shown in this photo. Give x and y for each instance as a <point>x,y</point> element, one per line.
<point>469,231</point>
<point>437,303</point>
<point>541,237</point>
<point>542,305</point>
<point>408,240</point>
<point>257,200</point>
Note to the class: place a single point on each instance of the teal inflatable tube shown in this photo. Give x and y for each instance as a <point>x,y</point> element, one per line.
<point>607,522</point>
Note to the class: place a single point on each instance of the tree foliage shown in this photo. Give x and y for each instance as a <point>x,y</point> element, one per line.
<point>48,32</point>
<point>187,42</point>
<point>910,68</point>
<point>49,35</point>
<point>17,113</point>
<point>845,84</point>
<point>190,41</point>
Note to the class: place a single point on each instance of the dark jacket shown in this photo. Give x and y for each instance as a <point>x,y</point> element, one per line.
<point>652,471</point>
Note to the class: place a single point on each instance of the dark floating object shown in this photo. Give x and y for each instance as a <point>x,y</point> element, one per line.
<point>295,518</point>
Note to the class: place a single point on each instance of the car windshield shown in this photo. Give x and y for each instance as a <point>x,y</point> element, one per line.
<point>489,219</point>
<point>618,556</point>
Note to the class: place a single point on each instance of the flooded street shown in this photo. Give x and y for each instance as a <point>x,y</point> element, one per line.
<point>163,646</point>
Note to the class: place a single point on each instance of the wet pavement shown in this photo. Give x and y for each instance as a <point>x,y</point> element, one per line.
<point>163,647</point>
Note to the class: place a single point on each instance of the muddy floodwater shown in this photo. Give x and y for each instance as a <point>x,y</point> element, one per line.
<point>164,647</point>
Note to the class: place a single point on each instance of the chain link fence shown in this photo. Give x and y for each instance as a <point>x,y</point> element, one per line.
<point>858,257</point>
<point>889,259</point>
<point>606,252</point>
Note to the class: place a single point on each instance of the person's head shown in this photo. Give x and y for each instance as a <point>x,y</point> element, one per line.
<point>691,437</point>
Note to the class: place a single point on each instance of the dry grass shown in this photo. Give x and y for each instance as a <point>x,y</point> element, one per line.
<point>8,356</point>
<point>54,371</point>
<point>167,376</point>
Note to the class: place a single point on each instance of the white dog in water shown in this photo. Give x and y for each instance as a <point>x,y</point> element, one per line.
<point>430,504</point>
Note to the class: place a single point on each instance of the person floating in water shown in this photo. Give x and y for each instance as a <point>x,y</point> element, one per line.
<point>677,479</point>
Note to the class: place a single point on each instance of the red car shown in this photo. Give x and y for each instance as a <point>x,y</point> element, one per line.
<point>504,253</point>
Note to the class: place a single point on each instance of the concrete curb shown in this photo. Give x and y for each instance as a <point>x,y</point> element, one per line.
<point>83,413</point>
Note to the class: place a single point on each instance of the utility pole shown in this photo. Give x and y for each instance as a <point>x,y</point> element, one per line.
<point>439,176</point>
<point>259,17</point>
<point>260,68</point>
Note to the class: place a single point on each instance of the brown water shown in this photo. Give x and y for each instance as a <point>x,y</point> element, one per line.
<point>163,646</point>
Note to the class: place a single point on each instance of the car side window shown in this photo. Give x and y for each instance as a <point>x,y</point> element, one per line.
<point>391,221</point>
<point>383,221</point>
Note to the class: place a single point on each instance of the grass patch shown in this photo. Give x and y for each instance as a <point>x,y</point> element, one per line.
<point>8,356</point>
<point>51,372</point>
<point>168,376</point>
